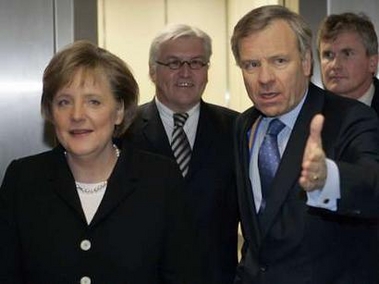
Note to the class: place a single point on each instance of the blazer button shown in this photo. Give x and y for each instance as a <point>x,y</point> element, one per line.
<point>326,200</point>
<point>85,245</point>
<point>85,280</point>
<point>263,268</point>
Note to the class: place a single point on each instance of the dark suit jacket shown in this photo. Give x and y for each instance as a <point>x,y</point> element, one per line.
<point>134,234</point>
<point>375,99</point>
<point>297,244</point>
<point>210,184</point>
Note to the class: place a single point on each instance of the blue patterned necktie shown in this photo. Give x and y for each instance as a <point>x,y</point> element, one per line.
<point>180,144</point>
<point>269,158</point>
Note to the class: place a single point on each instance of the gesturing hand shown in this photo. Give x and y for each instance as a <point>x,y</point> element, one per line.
<point>314,171</point>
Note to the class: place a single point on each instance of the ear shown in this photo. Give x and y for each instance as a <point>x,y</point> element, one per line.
<point>373,65</point>
<point>120,113</point>
<point>307,63</point>
<point>153,73</point>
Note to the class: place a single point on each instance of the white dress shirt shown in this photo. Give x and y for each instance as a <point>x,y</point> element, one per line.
<point>190,126</point>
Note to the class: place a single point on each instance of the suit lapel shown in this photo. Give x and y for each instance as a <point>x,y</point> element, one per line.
<point>246,196</point>
<point>63,182</point>
<point>154,132</point>
<point>290,166</point>
<point>121,184</point>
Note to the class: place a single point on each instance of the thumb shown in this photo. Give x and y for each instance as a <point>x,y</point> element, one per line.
<point>315,130</point>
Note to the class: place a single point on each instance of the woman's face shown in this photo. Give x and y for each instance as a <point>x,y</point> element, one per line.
<point>85,113</point>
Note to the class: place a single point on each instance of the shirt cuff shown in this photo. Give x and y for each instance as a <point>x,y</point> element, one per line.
<point>327,196</point>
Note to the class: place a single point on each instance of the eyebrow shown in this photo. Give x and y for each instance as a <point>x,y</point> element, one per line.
<point>181,58</point>
<point>347,49</point>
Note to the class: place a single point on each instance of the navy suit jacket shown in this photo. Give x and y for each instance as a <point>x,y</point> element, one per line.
<point>210,184</point>
<point>298,244</point>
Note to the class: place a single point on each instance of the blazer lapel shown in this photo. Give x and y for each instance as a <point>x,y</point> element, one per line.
<point>154,132</point>
<point>121,184</point>
<point>290,166</point>
<point>247,194</point>
<point>63,182</point>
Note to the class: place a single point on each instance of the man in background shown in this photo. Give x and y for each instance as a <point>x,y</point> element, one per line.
<point>348,51</point>
<point>177,123</point>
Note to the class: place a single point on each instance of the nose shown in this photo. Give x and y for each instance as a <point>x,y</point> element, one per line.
<point>265,74</point>
<point>336,62</point>
<point>77,112</point>
<point>185,70</point>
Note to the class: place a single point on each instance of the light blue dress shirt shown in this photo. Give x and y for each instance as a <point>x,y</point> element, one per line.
<point>325,197</point>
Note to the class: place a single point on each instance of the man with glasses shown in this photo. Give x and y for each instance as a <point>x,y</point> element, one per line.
<point>179,124</point>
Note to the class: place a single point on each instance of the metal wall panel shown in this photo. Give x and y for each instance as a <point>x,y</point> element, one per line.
<point>28,41</point>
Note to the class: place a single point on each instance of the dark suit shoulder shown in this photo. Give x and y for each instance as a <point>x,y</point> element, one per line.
<point>342,105</point>
<point>31,170</point>
<point>143,107</point>
<point>38,162</point>
<point>221,110</point>
<point>144,160</point>
<point>245,119</point>
<point>220,117</point>
<point>246,113</point>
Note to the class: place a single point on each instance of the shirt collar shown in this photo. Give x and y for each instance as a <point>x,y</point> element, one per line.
<point>368,95</point>
<point>167,112</point>
<point>290,117</point>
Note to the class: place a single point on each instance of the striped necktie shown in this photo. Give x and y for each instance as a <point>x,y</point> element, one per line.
<point>179,144</point>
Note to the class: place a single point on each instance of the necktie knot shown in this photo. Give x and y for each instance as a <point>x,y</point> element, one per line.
<point>180,119</point>
<point>275,127</point>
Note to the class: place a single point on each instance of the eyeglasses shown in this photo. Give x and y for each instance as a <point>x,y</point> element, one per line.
<point>194,64</point>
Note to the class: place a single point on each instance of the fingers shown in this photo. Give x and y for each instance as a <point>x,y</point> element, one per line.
<point>314,171</point>
<point>313,179</point>
<point>315,131</point>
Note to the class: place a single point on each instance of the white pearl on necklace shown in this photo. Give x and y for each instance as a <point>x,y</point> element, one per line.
<point>88,189</point>
<point>116,149</point>
<point>97,187</point>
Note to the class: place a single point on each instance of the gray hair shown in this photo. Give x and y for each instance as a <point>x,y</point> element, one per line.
<point>258,19</point>
<point>174,31</point>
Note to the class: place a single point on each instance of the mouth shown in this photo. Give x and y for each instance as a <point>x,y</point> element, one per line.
<point>336,77</point>
<point>268,95</point>
<point>77,132</point>
<point>184,84</point>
